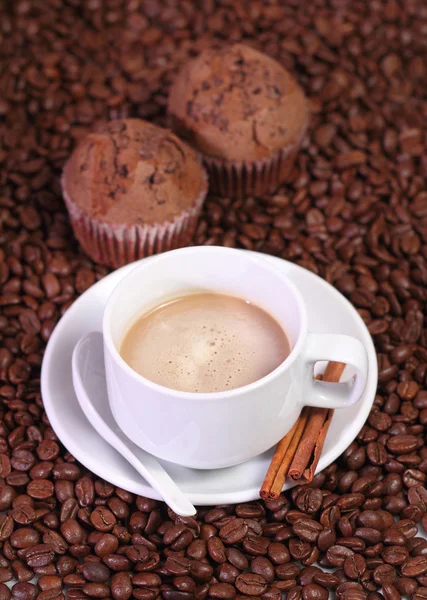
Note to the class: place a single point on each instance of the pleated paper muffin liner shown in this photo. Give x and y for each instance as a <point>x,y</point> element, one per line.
<point>115,245</point>
<point>240,179</point>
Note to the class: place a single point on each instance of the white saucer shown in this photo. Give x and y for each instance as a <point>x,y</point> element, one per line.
<point>328,312</point>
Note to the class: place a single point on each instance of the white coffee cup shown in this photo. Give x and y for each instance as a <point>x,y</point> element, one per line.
<point>220,429</point>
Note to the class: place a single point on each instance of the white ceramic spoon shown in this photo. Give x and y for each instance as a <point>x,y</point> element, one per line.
<point>91,391</point>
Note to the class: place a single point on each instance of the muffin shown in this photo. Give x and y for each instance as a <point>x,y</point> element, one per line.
<point>245,113</point>
<point>133,189</point>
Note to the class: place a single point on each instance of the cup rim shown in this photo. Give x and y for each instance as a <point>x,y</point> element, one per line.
<point>205,396</point>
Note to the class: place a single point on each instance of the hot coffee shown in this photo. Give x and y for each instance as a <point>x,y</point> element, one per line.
<point>205,342</point>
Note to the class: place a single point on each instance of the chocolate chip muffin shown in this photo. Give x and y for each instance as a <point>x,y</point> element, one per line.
<point>133,189</point>
<point>245,113</point>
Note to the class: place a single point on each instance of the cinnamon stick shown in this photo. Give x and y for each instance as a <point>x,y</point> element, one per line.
<point>276,461</point>
<point>300,449</point>
<point>282,472</point>
<point>307,455</point>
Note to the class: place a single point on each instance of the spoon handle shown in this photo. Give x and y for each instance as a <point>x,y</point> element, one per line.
<point>146,464</point>
<point>150,468</point>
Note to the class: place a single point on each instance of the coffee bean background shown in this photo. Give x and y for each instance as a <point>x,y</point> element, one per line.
<point>354,212</point>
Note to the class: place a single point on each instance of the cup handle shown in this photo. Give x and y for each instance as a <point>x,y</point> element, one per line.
<point>339,348</point>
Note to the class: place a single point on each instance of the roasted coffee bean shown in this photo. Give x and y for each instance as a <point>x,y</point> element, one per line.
<point>6,527</point>
<point>414,566</point>
<point>197,549</point>
<point>313,591</point>
<point>149,580</point>
<point>107,544</point>
<point>234,531</point>
<point>390,592</point>
<point>95,572</point>
<point>354,566</point>
<point>278,553</point>
<point>384,574</point>
<point>40,489</point>
<point>395,555</point>
<point>337,555</point>
<point>252,510</point>
<point>262,566</point>
<point>237,558</point>
<point>73,532</point>
<point>39,555</point>
<point>326,580</point>
<point>216,550</point>
<point>256,545</point>
<point>201,571</point>
<point>4,592</point>
<point>24,538</point>
<point>222,591</point>
<point>307,529</point>
<point>251,584</point>
<point>117,562</point>
<point>406,586</point>
<point>102,519</point>
<point>227,573</point>
<point>96,590</point>
<point>24,591</point>
<point>49,582</point>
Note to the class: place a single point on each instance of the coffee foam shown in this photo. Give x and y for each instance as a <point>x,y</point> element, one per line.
<point>205,343</point>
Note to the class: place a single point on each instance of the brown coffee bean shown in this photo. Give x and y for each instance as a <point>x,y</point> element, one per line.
<point>73,532</point>
<point>40,489</point>
<point>390,592</point>
<point>39,555</point>
<point>313,591</point>
<point>146,580</point>
<point>354,566</point>
<point>227,573</point>
<point>237,558</point>
<point>402,444</point>
<point>222,591</point>
<point>96,590</point>
<point>179,565</point>
<point>102,519</point>
<point>262,566</point>
<point>121,586</point>
<point>395,555</point>
<point>216,550</point>
<point>117,562</point>
<point>256,545</point>
<point>95,572</point>
<point>406,586</point>
<point>201,571</point>
<point>24,591</point>
<point>49,582</point>
<point>107,544</point>
<point>384,573</point>
<point>6,527</point>
<point>234,532</point>
<point>326,580</point>
<point>4,592</point>
<point>251,584</point>
<point>414,566</point>
<point>85,491</point>
<point>278,553</point>
<point>337,555</point>
<point>307,529</point>
<point>24,538</point>
<point>299,549</point>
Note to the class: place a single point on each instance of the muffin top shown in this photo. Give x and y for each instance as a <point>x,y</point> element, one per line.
<point>133,172</point>
<point>237,104</point>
